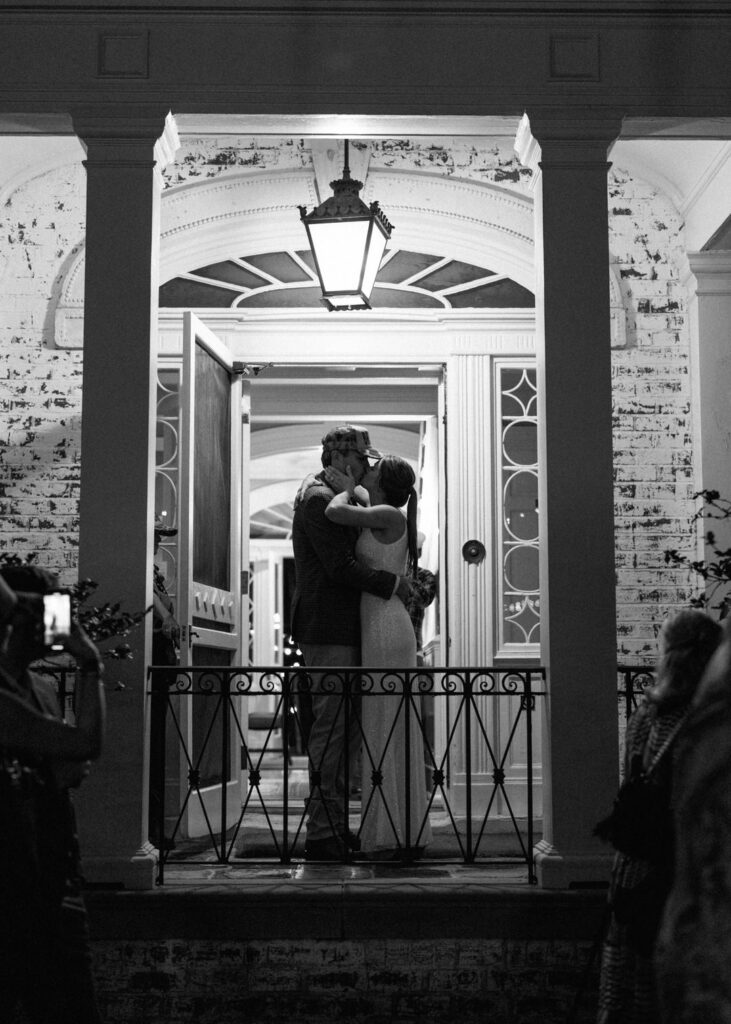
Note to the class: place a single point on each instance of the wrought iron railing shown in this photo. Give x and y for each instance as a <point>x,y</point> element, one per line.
<point>225,695</point>
<point>634,682</point>
<point>208,718</point>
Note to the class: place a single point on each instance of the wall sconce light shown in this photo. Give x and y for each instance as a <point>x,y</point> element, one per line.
<point>348,240</point>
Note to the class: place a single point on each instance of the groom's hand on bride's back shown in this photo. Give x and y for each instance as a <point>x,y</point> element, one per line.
<point>404,588</point>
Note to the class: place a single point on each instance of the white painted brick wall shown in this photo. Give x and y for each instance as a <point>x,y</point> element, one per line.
<point>40,387</point>
<point>41,227</point>
<point>653,439</point>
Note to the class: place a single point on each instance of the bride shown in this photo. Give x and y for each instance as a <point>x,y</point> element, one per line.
<point>388,540</point>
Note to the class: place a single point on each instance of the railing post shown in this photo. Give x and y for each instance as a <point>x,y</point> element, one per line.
<point>225,754</point>
<point>158,721</point>
<point>347,685</point>
<point>286,697</point>
<point>529,708</point>
<point>470,854</point>
<point>407,760</point>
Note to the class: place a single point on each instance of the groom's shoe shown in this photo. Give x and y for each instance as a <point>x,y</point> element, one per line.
<point>330,848</point>
<point>352,841</point>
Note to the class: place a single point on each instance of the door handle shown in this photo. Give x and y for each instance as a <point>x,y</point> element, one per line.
<point>186,635</point>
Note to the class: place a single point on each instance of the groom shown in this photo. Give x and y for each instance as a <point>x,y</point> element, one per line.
<point>326,626</point>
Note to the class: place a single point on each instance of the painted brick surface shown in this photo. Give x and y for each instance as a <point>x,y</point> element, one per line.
<point>653,439</point>
<point>40,387</point>
<point>371,982</point>
<point>42,227</point>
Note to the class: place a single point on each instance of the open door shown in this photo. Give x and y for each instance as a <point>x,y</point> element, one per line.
<point>210,600</point>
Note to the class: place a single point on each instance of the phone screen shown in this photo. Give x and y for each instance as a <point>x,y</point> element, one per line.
<point>56,620</point>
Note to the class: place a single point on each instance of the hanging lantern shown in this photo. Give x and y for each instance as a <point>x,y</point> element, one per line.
<point>348,240</point>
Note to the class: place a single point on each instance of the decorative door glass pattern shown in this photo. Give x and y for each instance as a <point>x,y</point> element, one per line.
<point>519,623</point>
<point>167,468</point>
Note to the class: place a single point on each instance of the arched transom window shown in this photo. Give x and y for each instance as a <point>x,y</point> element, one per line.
<point>406,280</point>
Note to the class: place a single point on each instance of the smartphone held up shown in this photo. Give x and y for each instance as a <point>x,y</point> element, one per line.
<point>56,620</point>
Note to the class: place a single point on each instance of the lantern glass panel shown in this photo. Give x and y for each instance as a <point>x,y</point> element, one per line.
<point>377,245</point>
<point>339,247</point>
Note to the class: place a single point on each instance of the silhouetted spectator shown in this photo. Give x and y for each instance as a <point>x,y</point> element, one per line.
<point>693,954</point>
<point>45,962</point>
<point>640,883</point>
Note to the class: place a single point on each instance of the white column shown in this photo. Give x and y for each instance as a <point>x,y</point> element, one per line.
<point>709,284</point>
<point>578,621</point>
<point>117,464</point>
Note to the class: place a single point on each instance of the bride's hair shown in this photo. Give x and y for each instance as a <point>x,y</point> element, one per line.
<point>396,479</point>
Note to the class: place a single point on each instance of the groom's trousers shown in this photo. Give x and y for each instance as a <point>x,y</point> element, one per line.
<point>327,746</point>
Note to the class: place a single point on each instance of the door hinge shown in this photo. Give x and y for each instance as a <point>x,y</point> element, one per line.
<point>248,369</point>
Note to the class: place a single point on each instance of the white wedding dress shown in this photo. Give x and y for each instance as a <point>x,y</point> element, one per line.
<point>388,641</point>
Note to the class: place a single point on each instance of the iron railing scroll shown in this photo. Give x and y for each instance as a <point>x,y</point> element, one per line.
<point>634,682</point>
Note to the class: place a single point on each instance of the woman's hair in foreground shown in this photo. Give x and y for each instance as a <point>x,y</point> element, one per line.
<point>687,641</point>
<point>396,479</point>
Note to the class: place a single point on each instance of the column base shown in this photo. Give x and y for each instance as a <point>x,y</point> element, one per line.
<point>556,870</point>
<point>137,872</point>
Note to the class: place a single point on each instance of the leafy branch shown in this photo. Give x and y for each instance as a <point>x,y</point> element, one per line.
<point>715,570</point>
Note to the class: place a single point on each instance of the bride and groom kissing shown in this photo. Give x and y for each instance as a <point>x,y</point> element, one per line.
<point>355,554</point>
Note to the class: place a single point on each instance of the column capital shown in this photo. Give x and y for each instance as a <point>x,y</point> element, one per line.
<point>127,140</point>
<point>581,140</point>
<point>709,272</point>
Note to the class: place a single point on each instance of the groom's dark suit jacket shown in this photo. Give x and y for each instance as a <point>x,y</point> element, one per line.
<point>329,580</point>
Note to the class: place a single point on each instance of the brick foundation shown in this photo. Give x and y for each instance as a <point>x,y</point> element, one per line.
<point>507,958</point>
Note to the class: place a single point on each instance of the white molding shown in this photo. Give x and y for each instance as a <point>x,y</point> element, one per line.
<point>168,144</point>
<point>708,272</point>
<point>528,151</point>
<point>351,126</point>
<point>369,341</point>
<point>710,173</point>
<point>617,310</point>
